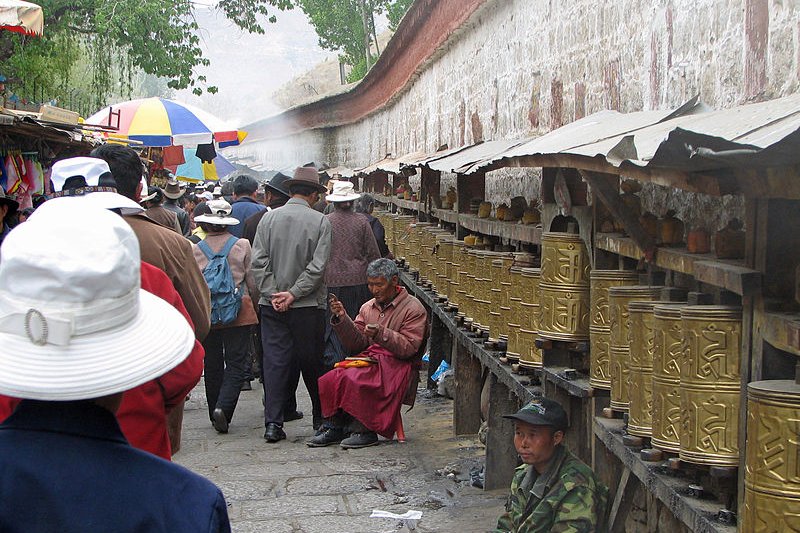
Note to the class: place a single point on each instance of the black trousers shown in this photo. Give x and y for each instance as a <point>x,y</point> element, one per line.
<point>225,359</point>
<point>294,337</point>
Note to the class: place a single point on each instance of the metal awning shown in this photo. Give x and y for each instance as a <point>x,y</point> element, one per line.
<point>468,155</point>
<point>344,172</point>
<point>590,136</point>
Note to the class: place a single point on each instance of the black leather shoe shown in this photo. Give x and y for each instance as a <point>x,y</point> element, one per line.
<point>294,415</point>
<point>274,433</point>
<point>326,437</point>
<point>360,440</point>
<point>246,385</point>
<point>219,421</point>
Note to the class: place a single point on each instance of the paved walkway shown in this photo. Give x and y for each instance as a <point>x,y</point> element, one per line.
<point>289,487</point>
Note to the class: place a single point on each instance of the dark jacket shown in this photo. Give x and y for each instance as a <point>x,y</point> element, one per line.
<point>241,210</point>
<point>65,467</point>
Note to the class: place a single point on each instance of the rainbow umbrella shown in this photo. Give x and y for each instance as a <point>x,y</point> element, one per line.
<point>161,122</point>
<point>196,170</point>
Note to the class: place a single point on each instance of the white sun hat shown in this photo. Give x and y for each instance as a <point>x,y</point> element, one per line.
<point>220,214</point>
<point>343,191</point>
<point>74,322</point>
<point>91,169</point>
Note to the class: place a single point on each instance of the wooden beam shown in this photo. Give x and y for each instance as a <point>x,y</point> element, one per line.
<point>610,198</point>
<point>623,501</point>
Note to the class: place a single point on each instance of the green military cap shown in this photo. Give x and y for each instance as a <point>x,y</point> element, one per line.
<point>542,412</point>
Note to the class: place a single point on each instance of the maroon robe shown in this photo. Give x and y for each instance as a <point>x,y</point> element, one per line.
<point>375,394</point>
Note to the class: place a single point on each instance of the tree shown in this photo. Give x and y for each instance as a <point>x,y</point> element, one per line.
<point>348,27</point>
<point>117,38</point>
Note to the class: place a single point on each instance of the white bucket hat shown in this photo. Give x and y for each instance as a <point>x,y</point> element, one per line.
<point>92,169</point>
<point>343,191</point>
<point>74,322</point>
<point>220,214</point>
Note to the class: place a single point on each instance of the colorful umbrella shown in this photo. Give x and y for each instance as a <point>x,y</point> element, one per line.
<point>196,170</point>
<point>21,17</point>
<point>161,122</point>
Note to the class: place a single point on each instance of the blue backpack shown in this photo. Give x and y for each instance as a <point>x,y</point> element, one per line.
<point>226,298</point>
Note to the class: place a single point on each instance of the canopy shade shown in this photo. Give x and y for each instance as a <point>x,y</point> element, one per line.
<point>21,17</point>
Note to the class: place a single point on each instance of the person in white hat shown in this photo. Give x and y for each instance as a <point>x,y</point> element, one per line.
<point>353,247</point>
<point>144,410</point>
<point>77,331</point>
<point>227,344</point>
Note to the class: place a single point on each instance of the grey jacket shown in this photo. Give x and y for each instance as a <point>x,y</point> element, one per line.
<point>290,252</point>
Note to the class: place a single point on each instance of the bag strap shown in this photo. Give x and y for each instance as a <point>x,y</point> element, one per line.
<point>206,249</point>
<point>232,240</point>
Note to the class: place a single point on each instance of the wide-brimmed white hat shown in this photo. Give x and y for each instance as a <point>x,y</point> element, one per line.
<point>101,200</point>
<point>343,191</point>
<point>91,169</point>
<point>74,322</point>
<point>220,214</point>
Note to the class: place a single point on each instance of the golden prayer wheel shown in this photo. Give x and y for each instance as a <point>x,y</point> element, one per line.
<point>710,384</point>
<point>772,471</point>
<point>667,354</point>
<point>600,322</point>
<point>454,293</point>
<point>640,414</point>
<point>564,289</point>
<point>514,315</point>
<point>565,260</point>
<point>530,356</point>
<point>619,345</point>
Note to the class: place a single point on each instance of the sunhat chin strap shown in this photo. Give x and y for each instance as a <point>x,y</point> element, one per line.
<point>43,325</point>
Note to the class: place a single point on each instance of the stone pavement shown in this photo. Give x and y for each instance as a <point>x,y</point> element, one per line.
<point>289,487</point>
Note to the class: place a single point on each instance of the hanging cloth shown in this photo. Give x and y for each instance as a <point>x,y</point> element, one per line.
<point>12,173</point>
<point>206,152</point>
<point>173,156</point>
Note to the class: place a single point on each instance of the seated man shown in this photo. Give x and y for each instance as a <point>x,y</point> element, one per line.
<point>553,490</point>
<point>77,331</point>
<point>366,392</point>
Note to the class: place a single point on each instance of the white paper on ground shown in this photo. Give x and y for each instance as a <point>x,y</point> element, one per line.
<point>408,515</point>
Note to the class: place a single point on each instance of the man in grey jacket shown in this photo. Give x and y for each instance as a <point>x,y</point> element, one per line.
<point>290,252</point>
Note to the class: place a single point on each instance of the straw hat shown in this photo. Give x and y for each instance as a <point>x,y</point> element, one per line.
<point>154,193</point>
<point>74,322</point>
<point>305,176</point>
<point>220,214</point>
<point>343,191</point>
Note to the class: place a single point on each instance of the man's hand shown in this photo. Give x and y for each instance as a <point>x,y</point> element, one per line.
<point>371,330</point>
<point>282,301</point>
<point>337,309</point>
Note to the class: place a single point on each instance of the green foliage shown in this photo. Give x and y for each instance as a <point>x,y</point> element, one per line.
<point>118,39</point>
<point>340,27</point>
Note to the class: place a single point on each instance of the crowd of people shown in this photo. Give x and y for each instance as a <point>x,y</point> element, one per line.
<point>116,297</point>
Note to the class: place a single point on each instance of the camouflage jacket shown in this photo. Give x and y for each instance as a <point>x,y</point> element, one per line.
<point>565,499</point>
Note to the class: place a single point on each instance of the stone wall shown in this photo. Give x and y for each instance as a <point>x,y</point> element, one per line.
<point>523,67</point>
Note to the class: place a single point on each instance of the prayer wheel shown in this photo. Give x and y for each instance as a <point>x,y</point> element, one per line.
<point>457,258</point>
<point>667,353</point>
<point>640,418</point>
<point>710,384</point>
<point>444,255</point>
<point>772,470</point>
<point>619,345</point>
<point>530,357</point>
<point>564,299</point>
<point>515,315</point>
<point>600,322</point>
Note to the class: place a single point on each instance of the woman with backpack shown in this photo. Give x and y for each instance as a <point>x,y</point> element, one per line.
<point>225,262</point>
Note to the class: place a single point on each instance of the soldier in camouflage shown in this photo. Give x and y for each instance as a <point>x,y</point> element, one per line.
<point>553,491</point>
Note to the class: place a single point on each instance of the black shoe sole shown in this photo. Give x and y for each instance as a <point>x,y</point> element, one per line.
<point>320,444</point>
<point>297,415</point>
<point>219,421</point>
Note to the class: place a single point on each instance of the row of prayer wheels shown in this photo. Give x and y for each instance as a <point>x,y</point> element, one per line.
<point>673,367</point>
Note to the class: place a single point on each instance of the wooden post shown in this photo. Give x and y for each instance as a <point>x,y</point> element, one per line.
<point>467,403</point>
<point>610,197</point>
<point>501,456</point>
<point>439,346</point>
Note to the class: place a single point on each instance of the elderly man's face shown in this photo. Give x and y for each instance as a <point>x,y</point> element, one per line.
<point>382,290</point>
<point>536,444</point>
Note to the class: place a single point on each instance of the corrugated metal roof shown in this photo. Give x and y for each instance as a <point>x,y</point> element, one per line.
<point>393,164</point>
<point>590,136</point>
<point>469,155</point>
<point>691,138</point>
<point>344,172</point>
